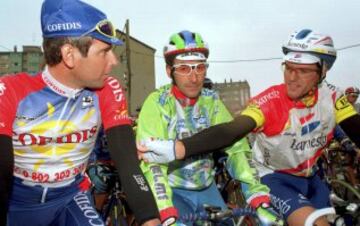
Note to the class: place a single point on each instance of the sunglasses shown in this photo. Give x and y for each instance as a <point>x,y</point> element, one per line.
<point>186,69</point>
<point>354,95</point>
<point>103,27</point>
<point>299,71</point>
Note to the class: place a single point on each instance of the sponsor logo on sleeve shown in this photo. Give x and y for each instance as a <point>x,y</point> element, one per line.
<point>87,101</point>
<point>116,89</point>
<point>160,190</point>
<point>342,103</point>
<point>2,88</point>
<point>140,180</point>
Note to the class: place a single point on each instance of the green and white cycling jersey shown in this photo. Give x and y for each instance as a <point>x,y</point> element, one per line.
<point>163,117</point>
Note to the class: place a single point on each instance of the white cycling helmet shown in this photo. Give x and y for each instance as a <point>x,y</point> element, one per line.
<point>306,46</point>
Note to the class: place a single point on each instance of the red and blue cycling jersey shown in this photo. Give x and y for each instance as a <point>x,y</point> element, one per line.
<point>291,135</point>
<point>54,127</point>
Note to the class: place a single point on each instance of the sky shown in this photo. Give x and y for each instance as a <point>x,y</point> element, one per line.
<point>237,31</point>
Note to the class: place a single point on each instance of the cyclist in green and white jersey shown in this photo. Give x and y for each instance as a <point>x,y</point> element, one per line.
<point>179,110</point>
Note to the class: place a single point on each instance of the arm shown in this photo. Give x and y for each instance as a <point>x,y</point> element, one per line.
<point>122,149</point>
<point>215,137</point>
<point>239,168</point>
<point>151,124</point>
<point>346,144</point>
<point>238,163</point>
<point>6,174</point>
<point>351,127</point>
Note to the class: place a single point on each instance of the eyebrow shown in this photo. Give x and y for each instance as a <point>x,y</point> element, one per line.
<point>108,48</point>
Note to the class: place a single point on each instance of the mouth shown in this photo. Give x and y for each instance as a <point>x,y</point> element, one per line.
<point>293,85</point>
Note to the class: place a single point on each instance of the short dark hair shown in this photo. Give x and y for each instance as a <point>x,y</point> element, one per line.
<point>52,46</point>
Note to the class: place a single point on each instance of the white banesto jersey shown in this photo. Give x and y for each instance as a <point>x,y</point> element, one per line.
<point>53,127</point>
<point>293,135</point>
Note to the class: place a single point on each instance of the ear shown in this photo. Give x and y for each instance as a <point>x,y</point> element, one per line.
<point>67,54</point>
<point>168,71</point>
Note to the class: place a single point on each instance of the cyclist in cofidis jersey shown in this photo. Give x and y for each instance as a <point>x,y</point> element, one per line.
<point>293,122</point>
<point>182,109</point>
<point>49,123</point>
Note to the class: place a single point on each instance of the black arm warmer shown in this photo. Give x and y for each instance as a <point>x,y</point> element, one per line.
<point>218,136</point>
<point>351,127</point>
<point>6,175</point>
<point>122,147</point>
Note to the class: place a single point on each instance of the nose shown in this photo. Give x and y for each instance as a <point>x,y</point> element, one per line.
<point>292,75</point>
<point>193,76</point>
<point>113,61</point>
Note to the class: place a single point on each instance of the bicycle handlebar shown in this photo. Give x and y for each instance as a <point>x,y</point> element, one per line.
<point>219,215</point>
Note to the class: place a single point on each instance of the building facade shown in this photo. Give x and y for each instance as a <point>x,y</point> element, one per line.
<point>138,84</point>
<point>140,81</point>
<point>235,95</point>
<point>29,60</point>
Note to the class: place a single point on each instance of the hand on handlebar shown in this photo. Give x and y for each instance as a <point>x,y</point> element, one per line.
<point>259,200</point>
<point>268,218</point>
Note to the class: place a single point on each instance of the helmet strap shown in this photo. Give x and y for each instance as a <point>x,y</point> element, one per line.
<point>323,72</point>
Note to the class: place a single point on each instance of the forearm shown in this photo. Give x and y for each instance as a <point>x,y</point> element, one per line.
<point>6,175</point>
<point>122,147</point>
<point>239,166</point>
<point>157,178</point>
<point>215,137</point>
<point>351,128</point>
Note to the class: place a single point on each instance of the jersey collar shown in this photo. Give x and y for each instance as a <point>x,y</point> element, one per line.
<point>57,87</point>
<point>308,101</point>
<point>183,100</point>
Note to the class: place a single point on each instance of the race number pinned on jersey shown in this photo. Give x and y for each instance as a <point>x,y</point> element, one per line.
<point>342,103</point>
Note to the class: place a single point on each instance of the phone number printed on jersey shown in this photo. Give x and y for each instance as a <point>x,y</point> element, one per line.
<point>41,177</point>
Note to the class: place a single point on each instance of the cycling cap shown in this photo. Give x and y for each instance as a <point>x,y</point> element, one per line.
<point>352,89</point>
<point>312,47</point>
<point>186,45</point>
<point>74,18</point>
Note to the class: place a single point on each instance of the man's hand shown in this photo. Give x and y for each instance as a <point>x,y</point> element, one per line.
<point>268,218</point>
<point>168,216</point>
<point>259,200</point>
<point>153,222</point>
<point>157,151</point>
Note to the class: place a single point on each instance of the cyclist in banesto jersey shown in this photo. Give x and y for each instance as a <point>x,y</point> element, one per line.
<point>49,123</point>
<point>293,123</point>
<point>179,110</point>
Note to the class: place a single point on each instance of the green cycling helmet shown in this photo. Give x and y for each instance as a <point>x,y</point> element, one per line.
<point>186,45</point>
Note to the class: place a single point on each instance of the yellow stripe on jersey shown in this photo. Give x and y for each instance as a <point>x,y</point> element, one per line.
<point>254,112</point>
<point>343,109</point>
